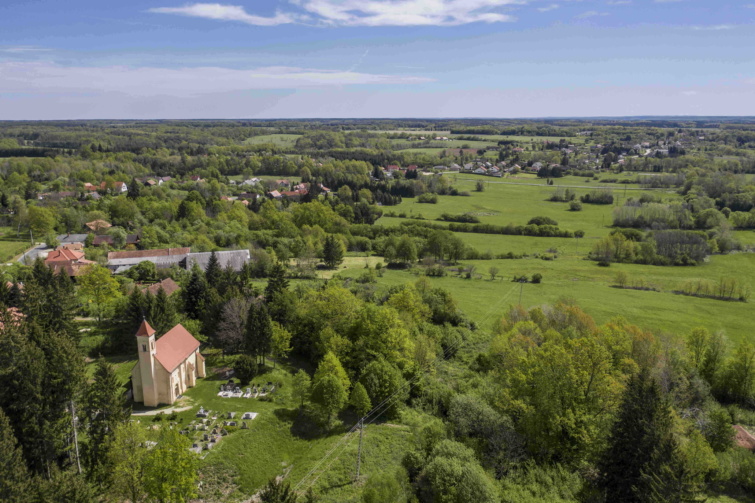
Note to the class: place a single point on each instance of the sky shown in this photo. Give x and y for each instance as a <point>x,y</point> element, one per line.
<point>171,59</point>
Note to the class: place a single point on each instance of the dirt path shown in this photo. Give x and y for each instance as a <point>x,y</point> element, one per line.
<point>157,411</point>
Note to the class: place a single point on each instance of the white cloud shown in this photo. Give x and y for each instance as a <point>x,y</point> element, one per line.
<point>590,13</point>
<point>21,49</point>
<point>221,12</point>
<point>717,27</point>
<point>548,8</point>
<point>689,93</point>
<point>618,2</point>
<point>44,77</point>
<point>362,12</point>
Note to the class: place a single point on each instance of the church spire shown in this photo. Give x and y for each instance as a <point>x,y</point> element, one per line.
<point>145,330</point>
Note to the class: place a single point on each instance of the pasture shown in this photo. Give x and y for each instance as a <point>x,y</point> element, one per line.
<point>571,275</point>
<point>282,140</point>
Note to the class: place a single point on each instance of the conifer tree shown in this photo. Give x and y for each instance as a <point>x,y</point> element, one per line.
<point>105,409</point>
<point>332,251</point>
<point>163,312</point>
<point>259,333</point>
<point>642,462</point>
<point>277,282</point>
<point>134,189</point>
<point>213,272</point>
<point>360,400</point>
<point>195,294</point>
<point>13,474</point>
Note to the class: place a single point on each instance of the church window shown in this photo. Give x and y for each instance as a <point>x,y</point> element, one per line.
<point>144,348</point>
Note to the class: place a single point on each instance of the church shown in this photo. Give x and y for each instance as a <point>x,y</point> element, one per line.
<point>167,366</point>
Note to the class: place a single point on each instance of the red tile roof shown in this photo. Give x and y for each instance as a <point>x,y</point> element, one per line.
<point>174,347</point>
<point>145,330</point>
<point>63,255</point>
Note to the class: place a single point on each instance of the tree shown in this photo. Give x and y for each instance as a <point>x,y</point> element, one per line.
<point>259,333</point>
<point>245,368</point>
<point>41,221</point>
<point>14,478</point>
<point>163,311</point>
<point>170,469</point>
<point>480,186</point>
<point>232,325</point>
<point>134,189</point>
<point>493,271</point>
<point>642,461</point>
<point>740,373</point>
<point>360,400</point>
<point>301,387</point>
<point>330,395</point>
<point>105,409</point>
<point>195,294</point>
<point>330,365</point>
<point>406,251</point>
<point>126,456</point>
<point>280,344</point>
<point>98,287</point>
<point>213,272</point>
<point>332,252</point>
<point>145,272</point>
<point>277,491</point>
<point>383,381</point>
<point>277,282</point>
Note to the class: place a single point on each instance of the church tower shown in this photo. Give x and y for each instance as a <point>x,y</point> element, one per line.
<point>145,338</point>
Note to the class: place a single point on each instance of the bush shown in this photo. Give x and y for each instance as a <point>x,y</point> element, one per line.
<point>575,206</point>
<point>428,197</point>
<point>245,368</point>
<point>537,277</point>
<point>602,196</point>
<point>542,221</point>
<point>463,218</point>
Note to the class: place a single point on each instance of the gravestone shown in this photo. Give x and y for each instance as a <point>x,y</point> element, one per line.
<point>244,426</point>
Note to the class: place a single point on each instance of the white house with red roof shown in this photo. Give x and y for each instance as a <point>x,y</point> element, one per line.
<point>167,367</point>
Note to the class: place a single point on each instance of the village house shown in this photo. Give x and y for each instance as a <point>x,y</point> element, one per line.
<point>71,261</point>
<point>167,367</point>
<point>167,285</point>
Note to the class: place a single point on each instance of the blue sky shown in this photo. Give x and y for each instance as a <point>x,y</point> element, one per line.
<point>81,59</point>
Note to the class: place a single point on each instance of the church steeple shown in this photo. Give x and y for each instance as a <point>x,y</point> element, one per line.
<point>145,330</point>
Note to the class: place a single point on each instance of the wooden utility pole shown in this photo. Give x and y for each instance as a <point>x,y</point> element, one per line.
<point>75,436</point>
<point>359,454</point>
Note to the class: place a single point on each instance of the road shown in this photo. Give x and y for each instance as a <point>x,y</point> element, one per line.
<point>29,256</point>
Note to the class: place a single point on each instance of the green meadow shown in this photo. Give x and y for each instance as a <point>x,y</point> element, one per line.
<point>571,275</point>
<point>283,140</point>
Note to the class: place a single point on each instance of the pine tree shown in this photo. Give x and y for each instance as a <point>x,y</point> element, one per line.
<point>134,189</point>
<point>127,320</point>
<point>332,251</point>
<point>276,283</point>
<point>13,474</point>
<point>195,294</point>
<point>277,491</point>
<point>163,312</point>
<point>105,409</point>
<point>642,462</point>
<point>259,333</point>
<point>213,272</point>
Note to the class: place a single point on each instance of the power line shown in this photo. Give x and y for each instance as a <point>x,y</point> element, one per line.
<point>379,409</point>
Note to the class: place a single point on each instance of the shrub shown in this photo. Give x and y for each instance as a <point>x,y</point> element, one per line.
<point>537,277</point>
<point>602,196</point>
<point>542,221</point>
<point>245,368</point>
<point>575,206</point>
<point>428,197</point>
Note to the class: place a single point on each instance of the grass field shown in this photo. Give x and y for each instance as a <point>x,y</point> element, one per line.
<point>283,140</point>
<point>571,275</point>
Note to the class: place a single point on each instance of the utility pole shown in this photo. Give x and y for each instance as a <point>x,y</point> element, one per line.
<point>75,436</point>
<point>359,454</point>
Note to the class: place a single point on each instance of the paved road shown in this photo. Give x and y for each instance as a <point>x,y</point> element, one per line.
<point>30,256</point>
